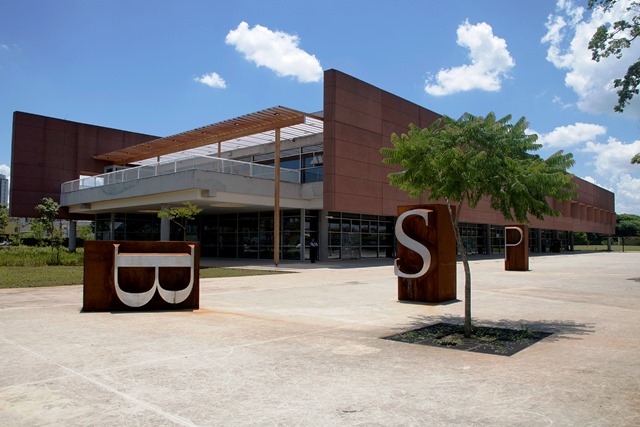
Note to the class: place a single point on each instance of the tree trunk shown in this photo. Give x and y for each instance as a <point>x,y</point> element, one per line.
<point>467,269</point>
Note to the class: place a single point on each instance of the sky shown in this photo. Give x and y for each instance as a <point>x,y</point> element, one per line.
<point>162,67</point>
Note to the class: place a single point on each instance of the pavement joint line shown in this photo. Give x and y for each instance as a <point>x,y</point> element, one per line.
<point>230,350</point>
<point>37,306</point>
<point>146,405</point>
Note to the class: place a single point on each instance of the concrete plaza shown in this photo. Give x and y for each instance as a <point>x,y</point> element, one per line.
<point>306,349</point>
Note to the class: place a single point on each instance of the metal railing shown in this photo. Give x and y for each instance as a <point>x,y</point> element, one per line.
<point>213,164</point>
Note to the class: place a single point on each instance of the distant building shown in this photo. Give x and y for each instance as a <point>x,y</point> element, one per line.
<point>4,190</point>
<point>267,182</point>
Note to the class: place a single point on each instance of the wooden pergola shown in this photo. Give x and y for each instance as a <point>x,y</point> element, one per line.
<point>271,119</point>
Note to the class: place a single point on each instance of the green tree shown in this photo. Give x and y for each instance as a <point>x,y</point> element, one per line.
<point>612,40</point>
<point>48,211</point>
<point>627,225</point>
<point>580,238</point>
<point>37,231</point>
<point>181,215</point>
<point>462,161</point>
<point>85,232</point>
<point>4,217</point>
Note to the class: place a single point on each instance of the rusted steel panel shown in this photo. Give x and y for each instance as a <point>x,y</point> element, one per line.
<point>439,282</point>
<point>161,269</point>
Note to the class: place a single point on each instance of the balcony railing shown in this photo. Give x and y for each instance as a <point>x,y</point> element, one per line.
<point>204,163</point>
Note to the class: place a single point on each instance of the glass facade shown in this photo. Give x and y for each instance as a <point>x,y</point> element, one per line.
<point>308,160</point>
<point>250,234</point>
<point>128,226</point>
<point>236,235</point>
<point>353,236</point>
<point>348,235</point>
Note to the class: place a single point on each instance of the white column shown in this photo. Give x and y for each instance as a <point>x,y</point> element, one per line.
<point>165,226</point>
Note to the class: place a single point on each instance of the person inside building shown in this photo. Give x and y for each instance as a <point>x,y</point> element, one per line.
<point>313,250</point>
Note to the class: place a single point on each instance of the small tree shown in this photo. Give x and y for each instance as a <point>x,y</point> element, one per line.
<point>48,210</point>
<point>4,217</point>
<point>462,161</point>
<point>85,232</point>
<point>181,215</point>
<point>37,232</point>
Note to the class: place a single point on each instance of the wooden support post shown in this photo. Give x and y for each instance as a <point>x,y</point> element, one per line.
<point>276,201</point>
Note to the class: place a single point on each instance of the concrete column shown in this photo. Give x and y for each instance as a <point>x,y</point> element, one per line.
<point>302,232</point>
<point>323,236</point>
<point>571,241</point>
<point>539,240</point>
<point>487,238</point>
<point>165,226</point>
<point>72,236</point>
<point>111,226</point>
<point>608,244</point>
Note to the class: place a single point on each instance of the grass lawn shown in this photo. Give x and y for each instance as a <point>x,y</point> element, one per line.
<point>28,267</point>
<point>63,275</point>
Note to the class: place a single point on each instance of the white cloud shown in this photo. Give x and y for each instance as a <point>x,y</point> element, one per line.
<point>613,158</point>
<point>612,162</point>
<point>557,100</point>
<point>568,35</point>
<point>571,135</point>
<point>212,80</point>
<point>628,195</point>
<point>275,50</point>
<point>490,63</point>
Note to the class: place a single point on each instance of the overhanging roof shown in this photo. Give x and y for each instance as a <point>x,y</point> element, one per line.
<point>260,122</point>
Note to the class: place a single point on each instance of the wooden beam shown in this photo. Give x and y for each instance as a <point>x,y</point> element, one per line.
<point>224,131</point>
<point>276,201</point>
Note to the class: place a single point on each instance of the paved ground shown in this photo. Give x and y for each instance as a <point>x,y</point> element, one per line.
<point>305,349</point>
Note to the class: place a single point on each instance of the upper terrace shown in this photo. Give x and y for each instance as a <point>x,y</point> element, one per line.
<point>190,167</point>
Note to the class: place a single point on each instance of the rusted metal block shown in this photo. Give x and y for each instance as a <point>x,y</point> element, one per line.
<point>516,242</point>
<point>428,229</point>
<point>141,276</point>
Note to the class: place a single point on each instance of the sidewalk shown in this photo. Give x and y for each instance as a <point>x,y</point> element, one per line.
<point>305,349</point>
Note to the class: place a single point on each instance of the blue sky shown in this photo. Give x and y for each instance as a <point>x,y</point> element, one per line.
<point>162,67</point>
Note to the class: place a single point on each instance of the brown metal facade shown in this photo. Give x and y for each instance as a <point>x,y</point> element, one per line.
<point>46,152</point>
<point>359,118</point>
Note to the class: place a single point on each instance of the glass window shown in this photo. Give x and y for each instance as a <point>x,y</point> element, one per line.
<point>290,163</point>
<point>334,239</point>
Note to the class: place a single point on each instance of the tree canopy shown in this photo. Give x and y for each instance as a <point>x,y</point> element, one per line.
<point>627,225</point>
<point>613,40</point>
<point>181,215</point>
<point>473,157</point>
<point>4,217</point>
<point>465,160</point>
<point>48,211</point>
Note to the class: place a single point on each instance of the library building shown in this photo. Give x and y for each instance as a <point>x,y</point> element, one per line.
<point>268,182</point>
